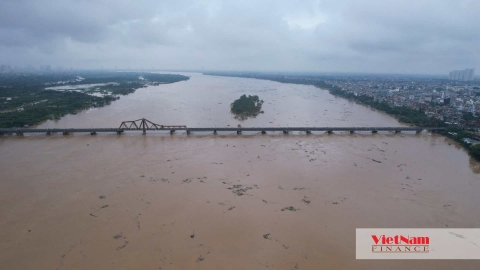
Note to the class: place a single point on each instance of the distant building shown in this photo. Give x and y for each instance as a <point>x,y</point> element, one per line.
<point>446,101</point>
<point>470,141</point>
<point>462,75</point>
<point>46,68</point>
<point>5,68</point>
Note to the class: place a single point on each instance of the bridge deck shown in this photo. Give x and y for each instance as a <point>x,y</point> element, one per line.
<point>205,129</point>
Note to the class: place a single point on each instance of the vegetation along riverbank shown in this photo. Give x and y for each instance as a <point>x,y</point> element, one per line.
<point>29,99</point>
<point>466,137</point>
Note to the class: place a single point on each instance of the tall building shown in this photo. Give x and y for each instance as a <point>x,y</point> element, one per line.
<point>5,68</point>
<point>470,73</point>
<point>446,101</point>
<point>462,75</point>
<point>45,68</point>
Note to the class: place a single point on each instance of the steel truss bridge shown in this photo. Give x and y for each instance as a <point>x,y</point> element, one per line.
<point>144,125</point>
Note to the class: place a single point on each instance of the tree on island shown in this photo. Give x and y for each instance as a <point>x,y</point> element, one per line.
<point>245,107</point>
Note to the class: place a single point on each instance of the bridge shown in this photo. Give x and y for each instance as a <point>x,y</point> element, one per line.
<point>144,125</point>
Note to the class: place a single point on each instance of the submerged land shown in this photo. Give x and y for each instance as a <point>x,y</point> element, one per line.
<point>29,99</point>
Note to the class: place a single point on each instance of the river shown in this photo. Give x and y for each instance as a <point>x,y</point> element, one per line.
<point>205,201</point>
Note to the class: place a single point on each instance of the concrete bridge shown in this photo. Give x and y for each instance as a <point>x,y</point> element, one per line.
<point>145,125</point>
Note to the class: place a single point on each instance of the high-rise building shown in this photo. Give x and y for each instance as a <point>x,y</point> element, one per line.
<point>5,68</point>
<point>462,75</point>
<point>46,68</point>
<point>446,101</point>
<point>470,73</point>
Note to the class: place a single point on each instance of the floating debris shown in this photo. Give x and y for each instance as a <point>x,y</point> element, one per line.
<point>239,190</point>
<point>124,245</point>
<point>290,208</point>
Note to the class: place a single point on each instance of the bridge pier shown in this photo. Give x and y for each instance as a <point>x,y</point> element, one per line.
<point>398,131</point>
<point>352,131</point>
<point>19,133</point>
<point>418,131</point>
<point>93,133</point>
<point>374,131</point>
<point>285,132</point>
<point>264,132</point>
<point>144,131</point>
<point>239,132</point>
<point>188,132</point>
<point>66,133</point>
<point>215,131</point>
<point>329,131</point>
<point>309,132</point>
<point>172,131</point>
<point>119,132</point>
<point>49,133</point>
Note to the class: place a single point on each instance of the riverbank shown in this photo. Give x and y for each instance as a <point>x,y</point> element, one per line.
<point>31,99</point>
<point>402,114</point>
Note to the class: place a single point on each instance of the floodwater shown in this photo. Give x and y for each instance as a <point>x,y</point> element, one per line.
<point>207,201</point>
<point>205,101</point>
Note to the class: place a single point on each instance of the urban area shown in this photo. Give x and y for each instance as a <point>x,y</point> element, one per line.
<point>455,101</point>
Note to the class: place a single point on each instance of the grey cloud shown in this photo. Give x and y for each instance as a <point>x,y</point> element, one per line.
<point>325,35</point>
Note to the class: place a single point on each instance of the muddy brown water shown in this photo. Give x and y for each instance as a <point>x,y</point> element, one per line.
<point>206,201</point>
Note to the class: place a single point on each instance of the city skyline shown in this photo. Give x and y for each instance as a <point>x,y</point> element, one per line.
<point>462,75</point>
<point>5,68</point>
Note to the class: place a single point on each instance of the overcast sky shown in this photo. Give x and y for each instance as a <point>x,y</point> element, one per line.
<point>387,36</point>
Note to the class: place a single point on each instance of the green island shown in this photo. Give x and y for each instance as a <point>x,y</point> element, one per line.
<point>403,114</point>
<point>245,107</point>
<point>28,99</point>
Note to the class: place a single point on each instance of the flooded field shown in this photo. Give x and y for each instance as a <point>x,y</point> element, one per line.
<point>226,201</point>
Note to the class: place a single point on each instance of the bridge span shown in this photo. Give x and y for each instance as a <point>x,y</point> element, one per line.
<point>145,125</point>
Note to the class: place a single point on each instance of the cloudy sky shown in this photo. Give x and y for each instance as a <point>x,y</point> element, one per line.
<point>387,36</point>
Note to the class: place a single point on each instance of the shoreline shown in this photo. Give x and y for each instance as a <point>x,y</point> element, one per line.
<point>86,104</point>
<point>472,151</point>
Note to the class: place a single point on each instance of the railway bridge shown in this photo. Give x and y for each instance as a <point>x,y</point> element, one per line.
<point>145,125</point>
